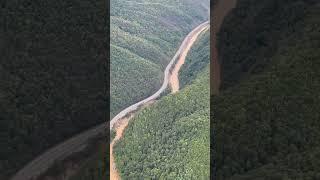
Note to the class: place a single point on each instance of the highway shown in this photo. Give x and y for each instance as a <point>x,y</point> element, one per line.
<point>165,83</point>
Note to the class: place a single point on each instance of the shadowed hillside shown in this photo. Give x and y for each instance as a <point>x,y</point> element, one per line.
<point>266,119</point>
<point>52,73</point>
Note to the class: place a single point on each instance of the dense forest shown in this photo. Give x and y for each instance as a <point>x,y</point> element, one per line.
<point>266,117</point>
<point>170,139</point>
<point>144,37</point>
<point>251,36</point>
<point>53,75</point>
<point>95,167</point>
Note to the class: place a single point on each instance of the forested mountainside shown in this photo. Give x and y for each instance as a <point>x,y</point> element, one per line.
<point>266,117</point>
<point>52,75</point>
<point>170,139</point>
<point>144,37</point>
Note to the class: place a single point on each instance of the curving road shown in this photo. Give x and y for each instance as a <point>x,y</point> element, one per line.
<point>77,143</point>
<point>165,83</point>
<point>40,164</point>
<point>171,76</point>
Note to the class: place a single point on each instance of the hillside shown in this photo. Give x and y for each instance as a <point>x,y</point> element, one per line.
<point>140,50</point>
<point>144,38</point>
<point>266,118</point>
<point>52,84</point>
<point>170,139</point>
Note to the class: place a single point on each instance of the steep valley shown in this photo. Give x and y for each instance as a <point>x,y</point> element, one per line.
<point>158,138</point>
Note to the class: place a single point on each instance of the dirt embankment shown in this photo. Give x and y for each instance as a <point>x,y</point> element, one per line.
<point>119,128</point>
<point>174,76</point>
<point>220,10</point>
